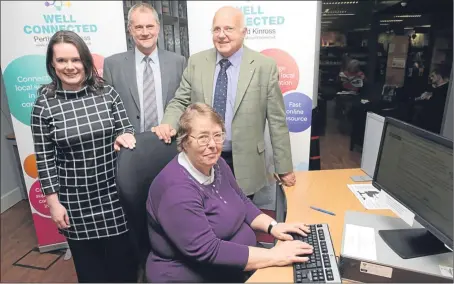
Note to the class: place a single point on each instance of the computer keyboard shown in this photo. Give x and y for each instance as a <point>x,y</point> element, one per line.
<point>322,265</point>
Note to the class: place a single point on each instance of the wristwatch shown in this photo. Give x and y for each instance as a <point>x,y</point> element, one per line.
<point>272,224</point>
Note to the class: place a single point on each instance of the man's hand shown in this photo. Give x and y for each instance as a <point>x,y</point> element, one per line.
<point>165,132</point>
<point>424,97</point>
<point>288,179</point>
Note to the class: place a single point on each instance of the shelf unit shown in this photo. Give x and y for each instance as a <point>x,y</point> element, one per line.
<point>442,54</point>
<point>173,35</point>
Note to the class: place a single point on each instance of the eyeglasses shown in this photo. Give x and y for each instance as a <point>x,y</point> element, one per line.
<point>227,30</point>
<point>204,139</point>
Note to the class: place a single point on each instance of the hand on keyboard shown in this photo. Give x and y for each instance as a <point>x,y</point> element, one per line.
<point>321,266</point>
<point>289,252</point>
<point>281,230</point>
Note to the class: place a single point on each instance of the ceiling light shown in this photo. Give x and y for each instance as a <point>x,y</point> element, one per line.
<point>327,11</point>
<point>407,16</point>
<point>391,21</point>
<point>341,3</point>
<point>338,14</point>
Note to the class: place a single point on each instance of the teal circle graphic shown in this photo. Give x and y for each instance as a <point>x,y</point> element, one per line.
<point>22,78</point>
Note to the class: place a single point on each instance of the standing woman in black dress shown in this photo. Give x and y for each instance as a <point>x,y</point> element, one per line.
<point>78,123</point>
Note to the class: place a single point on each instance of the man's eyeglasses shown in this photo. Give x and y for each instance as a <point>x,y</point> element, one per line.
<point>226,30</point>
<point>204,139</point>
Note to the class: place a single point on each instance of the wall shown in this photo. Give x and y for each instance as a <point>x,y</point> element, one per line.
<point>447,127</point>
<point>10,178</point>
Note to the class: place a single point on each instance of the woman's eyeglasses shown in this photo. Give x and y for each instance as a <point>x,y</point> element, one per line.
<point>204,139</point>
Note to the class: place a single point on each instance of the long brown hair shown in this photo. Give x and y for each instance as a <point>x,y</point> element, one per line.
<point>92,80</point>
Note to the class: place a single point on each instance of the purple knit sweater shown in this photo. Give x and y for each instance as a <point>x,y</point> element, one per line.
<point>198,233</point>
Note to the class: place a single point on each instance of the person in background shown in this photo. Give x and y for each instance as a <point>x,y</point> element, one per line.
<point>352,77</point>
<point>242,85</point>
<point>344,62</point>
<point>147,76</point>
<point>201,225</point>
<point>431,104</point>
<point>77,123</point>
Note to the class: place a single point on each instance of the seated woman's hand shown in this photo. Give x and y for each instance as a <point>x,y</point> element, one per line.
<point>281,230</point>
<point>126,140</point>
<point>286,253</point>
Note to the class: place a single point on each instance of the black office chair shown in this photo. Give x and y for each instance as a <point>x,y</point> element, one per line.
<point>136,170</point>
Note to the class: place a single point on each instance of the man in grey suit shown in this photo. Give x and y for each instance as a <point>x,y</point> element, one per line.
<point>251,98</point>
<point>147,77</point>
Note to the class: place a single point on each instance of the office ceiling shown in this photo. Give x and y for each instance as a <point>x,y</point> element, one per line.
<point>345,15</point>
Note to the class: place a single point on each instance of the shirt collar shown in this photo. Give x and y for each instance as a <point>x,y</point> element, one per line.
<point>139,56</point>
<point>235,58</point>
<point>444,83</point>
<point>184,161</point>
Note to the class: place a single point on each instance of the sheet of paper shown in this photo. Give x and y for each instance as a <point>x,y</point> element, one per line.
<point>397,208</point>
<point>359,242</point>
<point>446,271</point>
<point>391,47</point>
<point>367,194</point>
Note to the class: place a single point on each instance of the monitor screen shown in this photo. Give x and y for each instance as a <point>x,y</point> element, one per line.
<point>371,144</point>
<point>415,168</point>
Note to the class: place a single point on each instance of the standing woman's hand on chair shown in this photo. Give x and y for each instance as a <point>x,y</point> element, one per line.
<point>126,140</point>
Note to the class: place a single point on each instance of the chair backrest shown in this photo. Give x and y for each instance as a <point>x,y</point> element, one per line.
<point>136,170</point>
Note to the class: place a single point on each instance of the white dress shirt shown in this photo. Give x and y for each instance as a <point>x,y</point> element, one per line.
<point>140,67</point>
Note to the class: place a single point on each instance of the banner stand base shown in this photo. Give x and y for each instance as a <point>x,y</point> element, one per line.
<point>52,247</point>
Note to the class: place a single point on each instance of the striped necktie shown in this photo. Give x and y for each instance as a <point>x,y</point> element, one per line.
<point>150,109</point>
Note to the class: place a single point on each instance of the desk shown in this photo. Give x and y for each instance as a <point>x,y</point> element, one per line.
<point>325,189</point>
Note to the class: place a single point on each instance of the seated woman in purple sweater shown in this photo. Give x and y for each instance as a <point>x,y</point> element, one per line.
<point>200,222</point>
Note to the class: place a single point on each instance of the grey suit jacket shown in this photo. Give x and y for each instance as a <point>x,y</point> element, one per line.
<point>120,72</point>
<point>258,99</point>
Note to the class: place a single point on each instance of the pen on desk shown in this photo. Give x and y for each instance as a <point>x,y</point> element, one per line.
<point>322,210</point>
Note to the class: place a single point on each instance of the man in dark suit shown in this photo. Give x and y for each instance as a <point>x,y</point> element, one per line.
<point>430,106</point>
<point>147,77</point>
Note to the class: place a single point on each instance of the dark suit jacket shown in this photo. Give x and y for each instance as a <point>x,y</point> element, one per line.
<point>120,72</point>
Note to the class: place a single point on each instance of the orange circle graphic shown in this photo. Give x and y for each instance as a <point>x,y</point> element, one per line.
<point>30,166</point>
<point>288,69</point>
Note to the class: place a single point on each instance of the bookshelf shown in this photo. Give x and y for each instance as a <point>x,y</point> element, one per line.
<point>173,35</point>
<point>442,54</point>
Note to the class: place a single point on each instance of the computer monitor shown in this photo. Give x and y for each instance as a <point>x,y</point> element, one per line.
<point>371,144</point>
<point>415,167</point>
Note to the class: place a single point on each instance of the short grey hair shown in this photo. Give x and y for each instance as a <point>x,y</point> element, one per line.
<point>142,7</point>
<point>185,123</point>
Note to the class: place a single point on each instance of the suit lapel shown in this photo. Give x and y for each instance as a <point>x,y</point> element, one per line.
<point>131,77</point>
<point>247,70</point>
<point>208,76</point>
<point>164,66</point>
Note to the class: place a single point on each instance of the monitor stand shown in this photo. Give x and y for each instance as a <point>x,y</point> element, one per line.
<point>412,243</point>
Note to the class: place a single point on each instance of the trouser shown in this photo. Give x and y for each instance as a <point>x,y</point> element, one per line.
<point>228,157</point>
<point>104,260</point>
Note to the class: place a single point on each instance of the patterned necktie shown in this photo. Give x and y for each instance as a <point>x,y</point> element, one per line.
<point>150,109</point>
<point>220,92</point>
